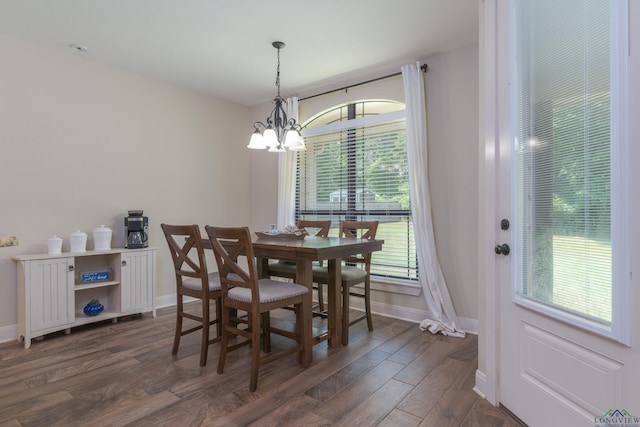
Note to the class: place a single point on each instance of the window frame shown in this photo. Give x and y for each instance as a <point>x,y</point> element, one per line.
<point>350,211</point>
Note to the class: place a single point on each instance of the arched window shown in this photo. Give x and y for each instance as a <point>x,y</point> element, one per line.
<point>355,168</point>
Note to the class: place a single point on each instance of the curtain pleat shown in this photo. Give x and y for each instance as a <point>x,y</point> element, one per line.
<point>287,176</point>
<point>442,317</point>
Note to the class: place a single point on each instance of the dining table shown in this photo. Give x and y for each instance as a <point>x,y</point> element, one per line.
<point>304,252</point>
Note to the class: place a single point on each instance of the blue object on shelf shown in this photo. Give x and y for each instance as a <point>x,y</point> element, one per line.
<point>93,309</point>
<point>95,276</point>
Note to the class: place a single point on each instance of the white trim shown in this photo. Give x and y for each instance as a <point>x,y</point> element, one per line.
<point>8,333</point>
<point>170,300</point>
<point>402,287</point>
<point>489,135</point>
<point>414,315</point>
<point>359,122</point>
<point>470,326</point>
<point>481,384</point>
<point>620,195</point>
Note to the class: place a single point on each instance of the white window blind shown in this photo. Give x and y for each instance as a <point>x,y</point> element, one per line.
<point>360,173</point>
<point>563,144</point>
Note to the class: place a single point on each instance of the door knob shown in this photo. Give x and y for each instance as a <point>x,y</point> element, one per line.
<point>503,249</point>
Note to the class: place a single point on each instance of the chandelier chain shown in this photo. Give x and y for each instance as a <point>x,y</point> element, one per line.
<point>278,73</point>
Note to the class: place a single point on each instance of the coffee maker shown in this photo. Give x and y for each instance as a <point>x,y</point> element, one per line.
<point>136,230</point>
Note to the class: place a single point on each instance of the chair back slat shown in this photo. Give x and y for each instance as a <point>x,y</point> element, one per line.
<point>187,253</point>
<point>230,245</point>
<point>363,230</point>
<point>322,226</point>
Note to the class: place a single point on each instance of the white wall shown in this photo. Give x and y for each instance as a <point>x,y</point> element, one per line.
<point>452,98</point>
<point>81,143</point>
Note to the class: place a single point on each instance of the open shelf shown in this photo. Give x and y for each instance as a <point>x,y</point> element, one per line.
<point>85,286</point>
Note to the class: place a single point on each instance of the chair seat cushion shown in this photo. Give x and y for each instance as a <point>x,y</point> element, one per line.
<point>196,284</point>
<point>350,275</point>
<point>270,291</point>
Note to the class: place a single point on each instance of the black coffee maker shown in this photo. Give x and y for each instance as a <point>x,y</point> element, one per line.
<point>136,230</point>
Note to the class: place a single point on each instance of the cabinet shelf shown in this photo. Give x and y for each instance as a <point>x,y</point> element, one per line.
<point>94,285</point>
<point>83,319</point>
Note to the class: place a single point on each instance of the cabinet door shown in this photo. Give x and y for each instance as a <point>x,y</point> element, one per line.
<point>50,299</point>
<point>137,280</point>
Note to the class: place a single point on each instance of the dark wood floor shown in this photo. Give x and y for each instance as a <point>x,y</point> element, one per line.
<point>124,374</point>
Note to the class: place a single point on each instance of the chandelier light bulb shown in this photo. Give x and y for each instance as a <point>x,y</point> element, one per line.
<point>270,138</point>
<point>292,139</point>
<point>300,146</point>
<point>257,141</point>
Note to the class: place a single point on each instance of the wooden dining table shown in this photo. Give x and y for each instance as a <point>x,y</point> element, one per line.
<point>304,251</point>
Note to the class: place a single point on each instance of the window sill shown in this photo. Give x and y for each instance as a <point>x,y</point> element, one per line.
<point>395,286</point>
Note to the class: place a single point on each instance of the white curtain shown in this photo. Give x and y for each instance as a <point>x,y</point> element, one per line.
<point>442,317</point>
<point>287,176</point>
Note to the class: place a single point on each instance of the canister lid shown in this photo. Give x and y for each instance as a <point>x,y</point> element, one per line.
<point>102,229</point>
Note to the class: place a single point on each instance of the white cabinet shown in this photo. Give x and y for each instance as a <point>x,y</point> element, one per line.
<point>52,291</point>
<point>137,270</point>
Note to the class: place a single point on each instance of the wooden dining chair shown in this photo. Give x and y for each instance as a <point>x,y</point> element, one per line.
<point>357,269</point>
<point>243,291</point>
<point>193,280</point>
<point>287,269</point>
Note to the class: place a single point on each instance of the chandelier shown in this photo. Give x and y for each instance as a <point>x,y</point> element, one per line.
<point>280,133</point>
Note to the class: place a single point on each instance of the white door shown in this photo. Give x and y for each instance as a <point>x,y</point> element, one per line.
<point>49,292</point>
<point>137,280</point>
<point>567,332</point>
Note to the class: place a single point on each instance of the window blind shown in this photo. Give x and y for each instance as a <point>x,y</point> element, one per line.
<point>562,147</point>
<point>360,173</point>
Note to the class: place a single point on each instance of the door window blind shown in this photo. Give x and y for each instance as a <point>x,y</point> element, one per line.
<point>562,115</point>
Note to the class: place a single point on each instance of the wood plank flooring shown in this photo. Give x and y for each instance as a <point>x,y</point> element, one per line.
<point>123,374</point>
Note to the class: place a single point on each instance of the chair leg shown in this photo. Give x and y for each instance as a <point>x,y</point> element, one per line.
<point>176,339</point>
<point>303,320</point>
<point>345,314</point>
<point>255,352</point>
<point>320,297</point>
<point>204,345</point>
<point>224,342</point>
<point>218,317</point>
<point>266,332</point>
<point>299,332</point>
<point>367,303</point>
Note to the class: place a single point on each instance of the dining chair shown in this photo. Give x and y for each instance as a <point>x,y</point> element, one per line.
<point>193,280</point>
<point>352,274</point>
<point>287,269</point>
<point>243,291</point>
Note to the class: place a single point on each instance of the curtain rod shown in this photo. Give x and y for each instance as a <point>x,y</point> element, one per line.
<point>423,67</point>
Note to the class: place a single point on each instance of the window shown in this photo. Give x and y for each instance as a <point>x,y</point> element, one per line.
<point>355,168</point>
<point>565,142</point>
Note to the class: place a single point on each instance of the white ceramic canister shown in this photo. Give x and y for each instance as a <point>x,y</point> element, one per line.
<point>102,238</point>
<point>55,245</point>
<point>78,241</point>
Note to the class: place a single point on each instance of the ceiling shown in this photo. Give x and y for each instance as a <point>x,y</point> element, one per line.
<point>223,47</point>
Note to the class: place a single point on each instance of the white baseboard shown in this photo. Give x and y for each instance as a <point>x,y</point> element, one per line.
<point>8,333</point>
<point>470,326</point>
<point>481,384</point>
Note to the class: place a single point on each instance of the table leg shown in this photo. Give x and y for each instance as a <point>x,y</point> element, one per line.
<point>262,265</point>
<point>304,276</point>
<point>334,270</point>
